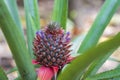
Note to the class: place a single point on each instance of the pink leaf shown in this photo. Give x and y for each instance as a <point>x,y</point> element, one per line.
<point>70,59</point>
<point>45,73</point>
<point>34,62</point>
<point>55,70</point>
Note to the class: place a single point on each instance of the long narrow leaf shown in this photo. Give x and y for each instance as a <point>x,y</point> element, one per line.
<point>31,7</point>
<point>3,76</point>
<point>114,59</point>
<point>16,43</point>
<point>60,12</point>
<point>15,69</point>
<point>13,9</point>
<point>101,21</point>
<point>18,78</point>
<point>105,75</point>
<point>12,70</point>
<point>78,66</point>
<point>31,10</point>
<point>95,66</point>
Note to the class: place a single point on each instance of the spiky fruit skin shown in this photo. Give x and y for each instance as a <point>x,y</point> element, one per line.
<point>51,46</point>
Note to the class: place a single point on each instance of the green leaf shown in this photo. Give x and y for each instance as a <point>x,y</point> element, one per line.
<point>116,78</point>
<point>95,66</point>
<point>13,9</point>
<point>16,43</point>
<point>105,75</point>
<point>31,8</point>
<point>3,76</point>
<point>18,78</point>
<point>118,66</point>
<point>114,59</point>
<point>12,70</point>
<point>99,25</point>
<point>76,68</point>
<point>15,69</point>
<point>60,12</point>
<point>32,22</point>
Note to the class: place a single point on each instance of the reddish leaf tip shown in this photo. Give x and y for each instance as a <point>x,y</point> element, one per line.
<point>34,62</point>
<point>45,73</point>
